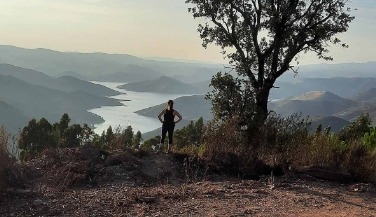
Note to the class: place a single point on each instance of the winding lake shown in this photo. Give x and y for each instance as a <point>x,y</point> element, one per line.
<point>123,116</point>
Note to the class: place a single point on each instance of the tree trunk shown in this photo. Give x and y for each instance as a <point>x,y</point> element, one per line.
<point>262,105</point>
<point>261,113</point>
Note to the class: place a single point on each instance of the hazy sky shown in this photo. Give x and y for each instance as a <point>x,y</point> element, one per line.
<point>146,28</point>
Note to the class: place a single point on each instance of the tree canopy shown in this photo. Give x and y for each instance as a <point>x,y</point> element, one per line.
<point>261,39</point>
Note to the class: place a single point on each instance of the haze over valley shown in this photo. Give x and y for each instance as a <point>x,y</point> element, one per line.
<point>39,83</point>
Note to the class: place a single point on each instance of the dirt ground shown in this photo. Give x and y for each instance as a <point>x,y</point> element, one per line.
<point>165,190</point>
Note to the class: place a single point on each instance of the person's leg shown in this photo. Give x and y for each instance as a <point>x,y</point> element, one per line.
<point>170,136</point>
<point>164,131</point>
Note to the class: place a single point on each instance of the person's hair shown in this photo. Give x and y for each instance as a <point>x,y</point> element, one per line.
<point>171,104</point>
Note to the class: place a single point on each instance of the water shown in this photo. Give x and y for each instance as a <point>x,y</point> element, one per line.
<point>123,116</point>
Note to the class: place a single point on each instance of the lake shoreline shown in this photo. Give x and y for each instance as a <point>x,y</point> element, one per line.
<point>124,115</point>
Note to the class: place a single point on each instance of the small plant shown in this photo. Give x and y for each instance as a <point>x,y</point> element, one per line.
<point>201,150</point>
<point>369,139</point>
<point>151,144</point>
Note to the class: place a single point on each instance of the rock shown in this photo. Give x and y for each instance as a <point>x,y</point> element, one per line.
<point>3,179</point>
<point>326,173</point>
<point>144,199</point>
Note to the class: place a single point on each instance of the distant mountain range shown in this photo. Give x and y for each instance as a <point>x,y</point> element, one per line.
<point>326,70</point>
<point>128,68</point>
<point>366,96</point>
<point>324,104</point>
<point>315,103</point>
<point>38,83</point>
<point>11,117</point>
<point>104,67</point>
<point>130,73</point>
<point>191,108</point>
<point>169,85</point>
<point>322,107</point>
<point>27,94</point>
<point>64,83</point>
<point>344,87</point>
<point>335,123</point>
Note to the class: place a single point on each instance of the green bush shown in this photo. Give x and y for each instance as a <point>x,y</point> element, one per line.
<point>321,150</point>
<point>40,135</point>
<point>190,135</point>
<point>369,139</point>
<point>356,129</point>
<point>118,139</point>
<point>35,137</point>
<point>148,144</point>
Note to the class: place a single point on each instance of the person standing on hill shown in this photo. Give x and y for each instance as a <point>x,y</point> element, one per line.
<point>168,123</point>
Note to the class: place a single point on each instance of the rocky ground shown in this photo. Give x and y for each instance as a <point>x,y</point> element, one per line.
<point>88,182</point>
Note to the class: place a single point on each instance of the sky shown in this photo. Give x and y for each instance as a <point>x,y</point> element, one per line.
<point>145,28</point>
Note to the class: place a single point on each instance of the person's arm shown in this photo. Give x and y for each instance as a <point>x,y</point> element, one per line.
<point>179,117</point>
<point>160,115</point>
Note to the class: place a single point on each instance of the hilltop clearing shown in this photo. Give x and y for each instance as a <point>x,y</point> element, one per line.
<point>88,181</point>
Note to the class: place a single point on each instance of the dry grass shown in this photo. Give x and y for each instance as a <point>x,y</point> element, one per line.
<point>12,174</point>
<point>5,160</point>
<point>286,143</point>
<point>222,137</point>
<point>361,162</point>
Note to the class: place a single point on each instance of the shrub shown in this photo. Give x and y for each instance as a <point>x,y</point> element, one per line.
<point>356,156</point>
<point>120,139</point>
<point>222,137</point>
<point>35,137</point>
<point>286,141</point>
<point>320,150</point>
<point>4,159</point>
<point>148,144</point>
<point>10,173</point>
<point>356,129</point>
<point>40,135</point>
<point>280,137</point>
<point>190,135</point>
<point>369,139</point>
<point>360,161</point>
<point>225,149</point>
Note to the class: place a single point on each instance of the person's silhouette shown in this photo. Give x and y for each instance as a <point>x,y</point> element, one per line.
<point>168,123</point>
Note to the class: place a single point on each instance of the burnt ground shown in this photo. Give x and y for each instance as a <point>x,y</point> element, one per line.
<point>91,182</point>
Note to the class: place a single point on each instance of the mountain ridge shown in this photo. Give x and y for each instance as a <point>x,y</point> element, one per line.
<point>64,83</point>
<point>366,96</point>
<point>315,103</point>
<point>96,65</point>
<point>37,101</point>
<point>163,84</point>
<point>191,107</point>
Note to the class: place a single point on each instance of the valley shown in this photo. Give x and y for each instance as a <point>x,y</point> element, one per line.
<point>120,90</point>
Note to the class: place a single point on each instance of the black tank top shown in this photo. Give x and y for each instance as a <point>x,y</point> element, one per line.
<point>169,117</point>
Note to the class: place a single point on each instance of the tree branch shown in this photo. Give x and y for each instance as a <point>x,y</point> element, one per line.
<point>231,36</point>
